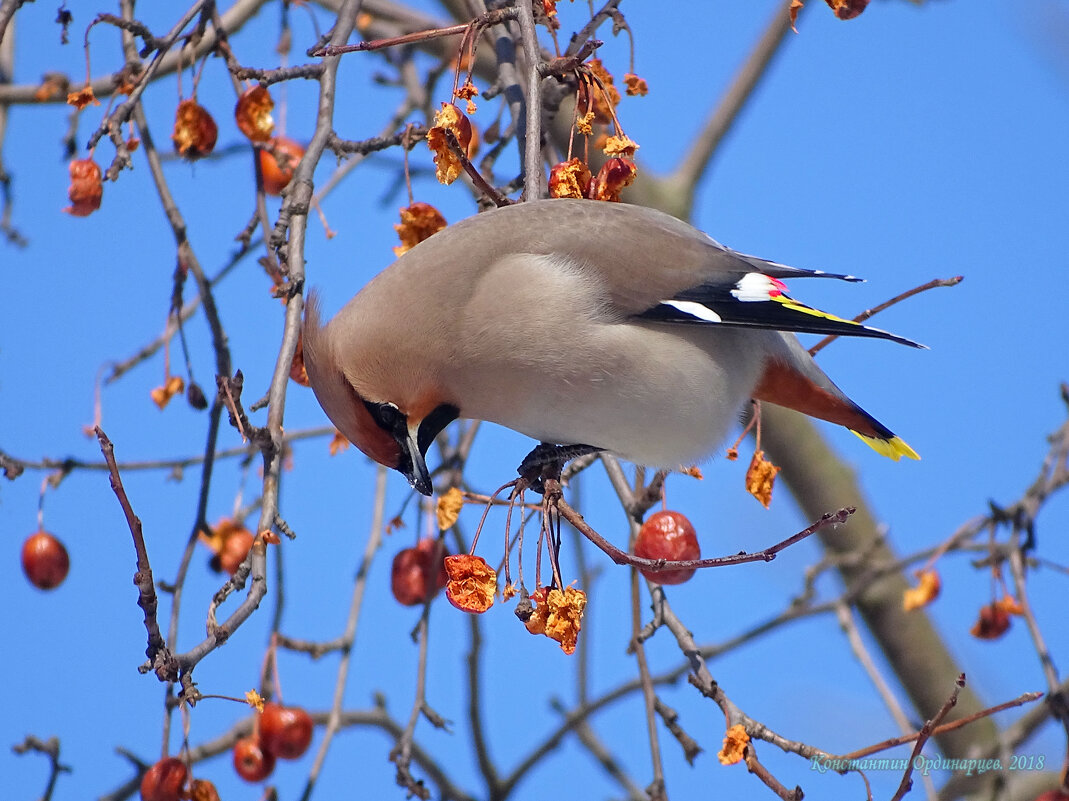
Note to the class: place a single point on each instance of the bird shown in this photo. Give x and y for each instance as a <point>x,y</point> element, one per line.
<point>611,326</point>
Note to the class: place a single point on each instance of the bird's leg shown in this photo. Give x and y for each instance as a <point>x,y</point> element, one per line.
<point>508,532</point>
<point>551,498</point>
<point>541,471</point>
<point>548,460</point>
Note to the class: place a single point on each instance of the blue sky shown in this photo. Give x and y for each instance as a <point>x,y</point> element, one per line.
<point>909,144</point>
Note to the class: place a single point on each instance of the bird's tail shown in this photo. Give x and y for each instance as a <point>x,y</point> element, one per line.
<point>792,379</point>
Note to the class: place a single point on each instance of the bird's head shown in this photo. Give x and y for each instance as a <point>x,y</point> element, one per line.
<point>388,409</point>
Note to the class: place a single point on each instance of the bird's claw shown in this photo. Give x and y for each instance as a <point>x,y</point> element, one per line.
<point>547,461</point>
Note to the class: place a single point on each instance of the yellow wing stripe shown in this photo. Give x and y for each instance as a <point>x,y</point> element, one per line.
<point>791,303</point>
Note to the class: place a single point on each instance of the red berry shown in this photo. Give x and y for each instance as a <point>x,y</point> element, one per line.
<point>44,560</point>
<point>433,550</point>
<point>164,781</point>
<point>848,9</point>
<point>251,761</point>
<point>418,573</point>
<point>285,731</point>
<point>235,549</point>
<point>615,175</point>
<point>279,163</point>
<point>669,536</point>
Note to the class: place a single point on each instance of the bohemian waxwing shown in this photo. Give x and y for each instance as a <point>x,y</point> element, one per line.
<point>574,322</point>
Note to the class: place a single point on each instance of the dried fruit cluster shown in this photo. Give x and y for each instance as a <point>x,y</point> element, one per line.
<point>572,179</point>
<point>994,618</point>
<point>558,615</point>
<point>86,189</point>
<point>195,132</point>
<point>450,120</point>
<point>472,583</point>
<point>419,221</point>
<point>194,135</point>
<point>596,101</point>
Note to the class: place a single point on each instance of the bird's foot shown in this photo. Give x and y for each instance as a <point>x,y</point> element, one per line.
<point>541,471</point>
<point>547,461</point>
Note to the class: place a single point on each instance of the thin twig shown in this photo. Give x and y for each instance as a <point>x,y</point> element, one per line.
<point>703,680</point>
<point>883,689</point>
<point>923,735</point>
<point>348,638</point>
<point>477,178</point>
<point>531,134</point>
<point>160,659</point>
<point>656,788</point>
<point>864,658</point>
<point>112,123</point>
<point>690,747</point>
<point>935,282</point>
<point>480,741</point>
<point>493,17</point>
<point>234,18</point>
<point>1056,700</point>
<point>894,742</point>
<point>401,753</point>
<point>376,718</point>
<point>753,764</point>
<point>584,732</point>
<point>580,39</point>
<point>67,465</point>
<point>49,748</point>
<point>217,634</point>
<point>621,557</point>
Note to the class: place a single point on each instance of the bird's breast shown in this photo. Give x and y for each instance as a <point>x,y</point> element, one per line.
<point>662,396</point>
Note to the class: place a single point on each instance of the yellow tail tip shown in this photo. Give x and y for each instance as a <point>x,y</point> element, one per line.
<point>894,448</point>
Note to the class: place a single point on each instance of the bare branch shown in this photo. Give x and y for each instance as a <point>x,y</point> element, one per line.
<point>49,747</point>
<point>234,18</point>
<point>935,282</point>
<point>160,659</point>
<point>924,734</point>
<point>767,555</point>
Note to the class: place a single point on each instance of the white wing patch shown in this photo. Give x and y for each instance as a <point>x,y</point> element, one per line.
<point>696,310</point>
<point>757,287</point>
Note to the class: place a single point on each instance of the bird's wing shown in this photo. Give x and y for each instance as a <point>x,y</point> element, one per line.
<point>642,262</point>
<point>759,300</point>
<point>653,266</point>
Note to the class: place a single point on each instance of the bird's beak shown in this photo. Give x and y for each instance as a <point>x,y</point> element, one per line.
<point>413,466</point>
<point>413,438</point>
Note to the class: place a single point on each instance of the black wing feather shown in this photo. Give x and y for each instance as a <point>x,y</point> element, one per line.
<point>780,314</point>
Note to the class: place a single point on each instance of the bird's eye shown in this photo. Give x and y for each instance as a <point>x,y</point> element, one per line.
<point>386,415</point>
